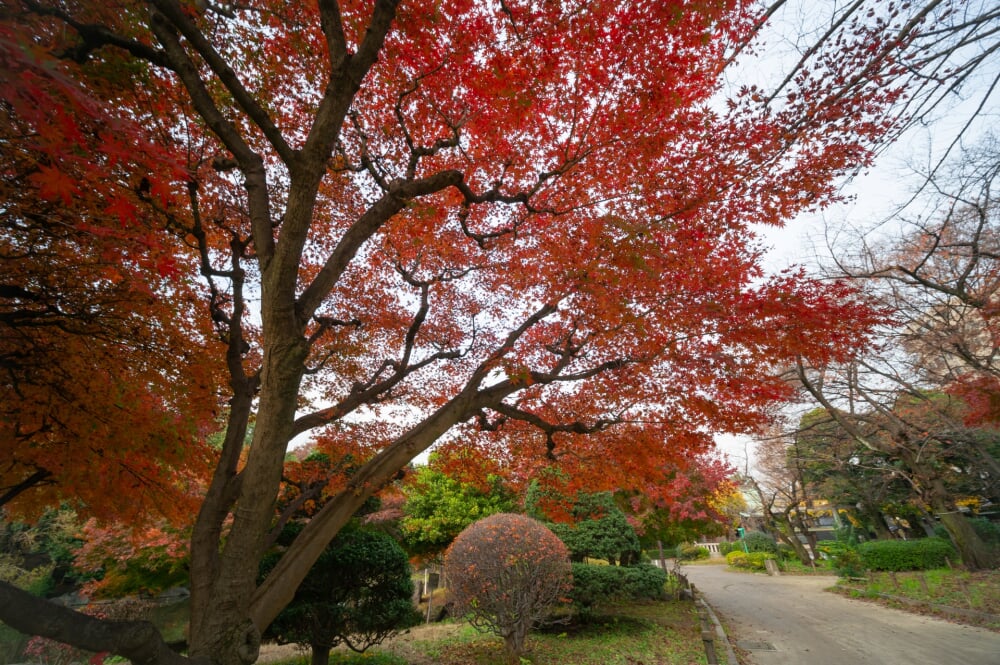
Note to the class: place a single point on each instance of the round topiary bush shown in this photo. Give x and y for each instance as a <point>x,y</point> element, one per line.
<point>507,572</point>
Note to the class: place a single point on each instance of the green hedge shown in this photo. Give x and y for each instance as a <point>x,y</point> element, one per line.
<point>593,583</point>
<point>897,555</point>
<point>748,561</point>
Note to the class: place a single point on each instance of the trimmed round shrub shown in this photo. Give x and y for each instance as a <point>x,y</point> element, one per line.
<point>593,584</point>
<point>895,555</point>
<point>506,573</point>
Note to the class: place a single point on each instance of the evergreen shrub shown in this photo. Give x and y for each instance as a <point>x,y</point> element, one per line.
<point>593,584</point>
<point>896,555</point>
<point>758,541</point>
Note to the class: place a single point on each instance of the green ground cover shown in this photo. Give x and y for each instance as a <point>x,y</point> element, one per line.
<point>956,595</point>
<point>637,633</point>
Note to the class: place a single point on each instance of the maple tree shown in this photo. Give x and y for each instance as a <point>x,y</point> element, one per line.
<point>697,500</point>
<point>107,389</point>
<point>523,224</point>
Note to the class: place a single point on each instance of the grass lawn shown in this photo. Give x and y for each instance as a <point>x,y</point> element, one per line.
<point>639,633</point>
<point>956,595</point>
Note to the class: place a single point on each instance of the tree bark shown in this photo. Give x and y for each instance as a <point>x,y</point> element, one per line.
<point>877,521</point>
<point>976,555</point>
<point>138,641</point>
<point>320,654</point>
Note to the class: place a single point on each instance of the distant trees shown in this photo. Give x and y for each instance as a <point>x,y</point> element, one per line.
<point>507,572</point>
<point>921,405</point>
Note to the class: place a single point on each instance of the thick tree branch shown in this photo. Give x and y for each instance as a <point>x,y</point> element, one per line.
<point>139,641</point>
<point>37,478</point>
<point>364,228</point>
<point>172,11</point>
<point>251,164</point>
<point>96,36</point>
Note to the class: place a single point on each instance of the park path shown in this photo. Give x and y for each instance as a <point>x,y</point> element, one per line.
<point>791,620</point>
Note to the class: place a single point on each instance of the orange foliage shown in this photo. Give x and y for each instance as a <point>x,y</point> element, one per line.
<point>526,223</point>
<point>108,391</point>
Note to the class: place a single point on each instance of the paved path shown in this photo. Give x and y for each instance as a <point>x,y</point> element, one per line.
<point>790,620</point>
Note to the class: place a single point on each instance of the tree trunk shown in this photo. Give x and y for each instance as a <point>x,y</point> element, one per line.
<point>976,555</point>
<point>809,536</point>
<point>513,643</point>
<point>796,544</point>
<point>221,625</point>
<point>877,521</point>
<point>320,654</point>
<point>782,529</point>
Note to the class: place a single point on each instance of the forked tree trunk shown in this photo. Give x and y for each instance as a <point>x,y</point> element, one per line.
<point>792,541</point>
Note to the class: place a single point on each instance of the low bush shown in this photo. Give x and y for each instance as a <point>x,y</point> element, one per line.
<point>749,560</point>
<point>833,548</point>
<point>844,556</point>
<point>593,584</point>
<point>726,548</point>
<point>692,552</point>
<point>507,573</point>
<point>898,555</point>
<point>848,564</point>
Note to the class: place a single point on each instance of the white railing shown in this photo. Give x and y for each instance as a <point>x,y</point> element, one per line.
<point>713,548</point>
